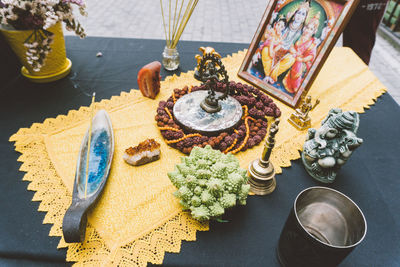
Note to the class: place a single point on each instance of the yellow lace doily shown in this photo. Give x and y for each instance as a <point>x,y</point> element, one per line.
<point>137,219</point>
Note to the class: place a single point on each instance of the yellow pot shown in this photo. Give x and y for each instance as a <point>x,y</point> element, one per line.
<point>56,64</point>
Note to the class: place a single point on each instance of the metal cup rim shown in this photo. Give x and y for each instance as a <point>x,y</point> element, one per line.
<point>340,193</point>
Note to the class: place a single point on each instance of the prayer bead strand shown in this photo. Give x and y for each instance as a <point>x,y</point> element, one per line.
<point>173,97</point>
<point>169,113</point>
<point>246,111</point>
<point>251,118</point>
<point>253,105</point>
<point>246,122</point>
<point>182,138</point>
<point>231,146</point>
<point>169,128</point>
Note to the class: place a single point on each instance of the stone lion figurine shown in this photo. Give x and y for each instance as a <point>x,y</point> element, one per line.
<point>329,147</point>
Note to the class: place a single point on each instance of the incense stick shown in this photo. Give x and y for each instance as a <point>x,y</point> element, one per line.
<point>173,21</point>
<point>169,24</point>
<point>178,23</point>
<point>165,29</point>
<point>179,15</point>
<point>180,30</point>
<point>88,144</point>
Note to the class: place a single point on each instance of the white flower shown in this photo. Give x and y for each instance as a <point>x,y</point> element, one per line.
<point>83,11</point>
<point>12,16</point>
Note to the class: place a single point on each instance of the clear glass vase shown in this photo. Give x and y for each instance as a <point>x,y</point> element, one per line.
<point>170,58</point>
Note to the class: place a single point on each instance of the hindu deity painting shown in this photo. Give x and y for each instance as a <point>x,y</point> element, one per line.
<point>288,44</point>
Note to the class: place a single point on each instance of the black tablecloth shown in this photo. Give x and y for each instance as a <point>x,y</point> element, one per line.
<point>371,177</point>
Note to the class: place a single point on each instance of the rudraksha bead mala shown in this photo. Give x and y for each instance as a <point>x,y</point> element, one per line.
<point>250,131</point>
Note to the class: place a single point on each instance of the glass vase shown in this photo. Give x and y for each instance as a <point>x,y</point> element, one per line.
<point>170,58</point>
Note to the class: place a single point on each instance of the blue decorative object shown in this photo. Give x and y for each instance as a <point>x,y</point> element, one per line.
<point>89,184</point>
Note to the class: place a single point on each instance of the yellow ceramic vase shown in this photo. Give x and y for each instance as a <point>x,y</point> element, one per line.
<point>56,64</point>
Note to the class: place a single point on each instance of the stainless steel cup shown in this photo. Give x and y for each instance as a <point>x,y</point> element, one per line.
<point>323,227</point>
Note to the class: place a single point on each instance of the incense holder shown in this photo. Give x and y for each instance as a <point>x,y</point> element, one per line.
<point>170,58</point>
<point>89,184</point>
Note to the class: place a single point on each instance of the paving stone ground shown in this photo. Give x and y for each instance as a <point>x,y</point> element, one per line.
<point>217,21</point>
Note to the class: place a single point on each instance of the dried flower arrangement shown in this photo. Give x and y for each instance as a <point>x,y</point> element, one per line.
<point>39,16</point>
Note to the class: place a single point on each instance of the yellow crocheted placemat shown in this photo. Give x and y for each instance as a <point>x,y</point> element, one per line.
<point>137,219</point>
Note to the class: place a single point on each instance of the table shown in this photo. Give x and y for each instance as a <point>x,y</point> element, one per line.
<point>370,178</point>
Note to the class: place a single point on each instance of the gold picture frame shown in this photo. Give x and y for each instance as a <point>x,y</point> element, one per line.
<point>291,44</point>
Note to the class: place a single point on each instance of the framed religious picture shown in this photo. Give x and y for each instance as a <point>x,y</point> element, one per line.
<point>292,43</point>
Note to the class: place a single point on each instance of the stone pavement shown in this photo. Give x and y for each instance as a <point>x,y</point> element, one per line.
<point>217,21</point>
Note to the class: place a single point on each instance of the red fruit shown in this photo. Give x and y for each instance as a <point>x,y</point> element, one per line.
<point>251,142</point>
<point>277,112</point>
<point>241,133</point>
<point>259,105</point>
<point>162,104</point>
<point>223,146</point>
<point>170,104</point>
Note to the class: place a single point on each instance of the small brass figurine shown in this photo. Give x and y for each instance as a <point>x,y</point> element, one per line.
<point>261,171</point>
<point>204,51</point>
<point>211,71</point>
<point>329,147</point>
<point>300,119</point>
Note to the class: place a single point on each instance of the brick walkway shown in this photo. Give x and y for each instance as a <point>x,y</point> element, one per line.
<point>217,21</point>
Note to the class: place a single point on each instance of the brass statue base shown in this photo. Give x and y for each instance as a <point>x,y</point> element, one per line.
<point>261,177</point>
<point>299,123</point>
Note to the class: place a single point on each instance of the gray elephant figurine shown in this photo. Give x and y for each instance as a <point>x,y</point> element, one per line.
<point>328,148</point>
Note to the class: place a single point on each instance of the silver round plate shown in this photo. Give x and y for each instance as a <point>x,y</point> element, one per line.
<point>190,115</point>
